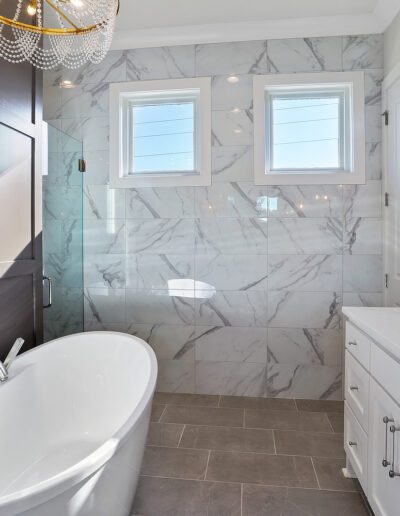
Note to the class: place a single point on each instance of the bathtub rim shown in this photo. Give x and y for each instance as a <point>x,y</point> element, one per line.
<point>41,492</point>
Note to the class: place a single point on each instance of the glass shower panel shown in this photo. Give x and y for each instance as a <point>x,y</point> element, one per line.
<point>63,236</point>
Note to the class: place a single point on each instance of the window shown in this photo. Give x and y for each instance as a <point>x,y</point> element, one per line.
<point>309,129</point>
<point>160,133</point>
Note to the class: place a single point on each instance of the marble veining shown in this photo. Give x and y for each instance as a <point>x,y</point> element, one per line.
<point>232,163</point>
<point>363,52</point>
<point>160,271</point>
<point>305,236</point>
<point>289,309</point>
<point>231,58</point>
<point>231,236</point>
<point>159,203</point>
<point>304,381</point>
<point>225,308</point>
<point>305,201</point>
<point>238,288</point>
<point>304,346</point>
<point>363,236</point>
<point>160,63</point>
<point>231,272</point>
<point>232,127</point>
<point>160,236</point>
<point>234,199</point>
<point>159,306</point>
<point>227,344</point>
<point>304,55</point>
<point>312,273</point>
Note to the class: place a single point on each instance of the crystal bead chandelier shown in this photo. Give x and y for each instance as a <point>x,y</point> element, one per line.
<point>48,33</point>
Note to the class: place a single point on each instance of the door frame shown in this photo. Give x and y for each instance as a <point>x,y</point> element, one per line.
<point>392,77</point>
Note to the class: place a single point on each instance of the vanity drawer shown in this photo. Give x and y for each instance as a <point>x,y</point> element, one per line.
<point>356,446</point>
<point>358,344</point>
<point>386,371</point>
<point>357,389</point>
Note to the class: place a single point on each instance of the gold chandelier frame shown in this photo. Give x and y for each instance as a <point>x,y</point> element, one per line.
<point>75,30</point>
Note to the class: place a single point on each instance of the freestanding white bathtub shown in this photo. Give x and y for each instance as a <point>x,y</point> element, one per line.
<point>74,416</point>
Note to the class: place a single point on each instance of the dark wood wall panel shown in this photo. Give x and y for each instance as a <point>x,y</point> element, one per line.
<point>16,78</point>
<point>17,309</point>
<point>16,182</point>
<point>21,296</point>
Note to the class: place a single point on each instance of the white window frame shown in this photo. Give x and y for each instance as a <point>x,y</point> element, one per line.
<point>120,94</point>
<point>353,171</point>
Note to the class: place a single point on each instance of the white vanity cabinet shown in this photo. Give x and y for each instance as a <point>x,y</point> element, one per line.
<point>372,405</point>
<point>383,477</point>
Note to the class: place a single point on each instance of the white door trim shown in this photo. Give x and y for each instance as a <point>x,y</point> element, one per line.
<point>390,79</point>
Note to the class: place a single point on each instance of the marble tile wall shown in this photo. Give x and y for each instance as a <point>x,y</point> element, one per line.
<point>237,287</point>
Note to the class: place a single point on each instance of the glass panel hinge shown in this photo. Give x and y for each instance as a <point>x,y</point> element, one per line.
<point>82,165</point>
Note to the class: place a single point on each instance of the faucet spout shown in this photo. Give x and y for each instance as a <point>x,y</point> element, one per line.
<point>5,366</point>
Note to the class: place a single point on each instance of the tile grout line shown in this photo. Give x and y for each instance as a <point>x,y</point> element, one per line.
<point>180,438</point>
<point>162,413</point>
<point>242,452</point>
<point>248,483</point>
<point>219,401</point>
<point>315,472</point>
<point>330,424</point>
<point>241,499</point>
<point>208,460</point>
<point>273,439</point>
<point>329,433</point>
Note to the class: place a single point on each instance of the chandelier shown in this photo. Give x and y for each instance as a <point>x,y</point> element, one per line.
<point>48,33</point>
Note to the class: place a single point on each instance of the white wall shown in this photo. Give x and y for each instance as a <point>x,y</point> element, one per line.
<point>392,45</point>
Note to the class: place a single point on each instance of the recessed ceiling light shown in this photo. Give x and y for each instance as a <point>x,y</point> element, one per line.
<point>236,110</point>
<point>66,84</point>
<point>233,79</point>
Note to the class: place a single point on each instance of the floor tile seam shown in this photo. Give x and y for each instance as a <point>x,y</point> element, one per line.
<point>329,422</point>
<point>208,460</point>
<point>286,411</point>
<point>315,473</point>
<point>274,441</point>
<point>180,438</point>
<point>219,406</point>
<point>162,414</point>
<point>249,484</point>
<point>251,428</point>
<point>243,452</point>
<point>167,423</point>
<point>191,405</point>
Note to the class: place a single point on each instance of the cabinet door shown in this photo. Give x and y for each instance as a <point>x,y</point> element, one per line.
<point>383,482</point>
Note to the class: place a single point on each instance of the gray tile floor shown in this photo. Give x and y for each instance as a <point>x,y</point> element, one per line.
<point>236,456</point>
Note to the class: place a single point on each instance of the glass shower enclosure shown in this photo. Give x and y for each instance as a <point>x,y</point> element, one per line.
<point>62,236</point>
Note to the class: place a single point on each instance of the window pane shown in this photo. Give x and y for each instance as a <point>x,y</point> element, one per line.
<point>163,137</point>
<point>306,132</point>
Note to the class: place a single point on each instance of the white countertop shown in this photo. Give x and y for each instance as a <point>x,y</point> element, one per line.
<point>381,324</point>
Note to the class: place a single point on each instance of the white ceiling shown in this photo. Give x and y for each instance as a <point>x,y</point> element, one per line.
<point>151,23</point>
<point>145,14</point>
